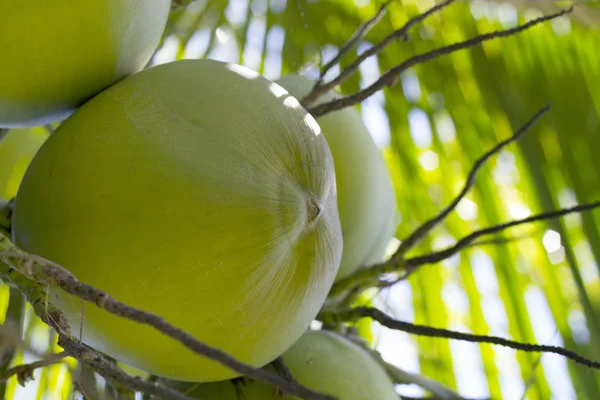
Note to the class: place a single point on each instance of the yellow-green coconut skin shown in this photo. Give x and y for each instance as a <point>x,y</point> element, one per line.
<point>322,361</point>
<point>366,197</point>
<point>56,54</point>
<point>195,190</point>
<point>17,149</point>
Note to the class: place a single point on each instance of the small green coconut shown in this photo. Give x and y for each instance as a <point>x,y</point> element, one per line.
<point>322,361</point>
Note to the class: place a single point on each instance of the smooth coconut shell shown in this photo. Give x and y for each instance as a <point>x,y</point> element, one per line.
<point>57,54</point>
<point>322,361</point>
<point>366,198</point>
<point>196,190</point>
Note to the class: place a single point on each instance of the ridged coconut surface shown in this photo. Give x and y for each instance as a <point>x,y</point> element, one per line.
<point>366,198</point>
<point>196,190</point>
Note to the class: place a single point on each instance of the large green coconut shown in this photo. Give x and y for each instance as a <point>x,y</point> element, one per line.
<point>195,190</point>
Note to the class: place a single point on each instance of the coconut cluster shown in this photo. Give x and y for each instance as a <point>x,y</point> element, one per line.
<point>196,190</point>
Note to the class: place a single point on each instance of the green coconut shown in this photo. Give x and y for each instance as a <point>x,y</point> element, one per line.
<point>17,149</point>
<point>195,190</point>
<point>322,361</point>
<point>366,198</point>
<point>56,54</point>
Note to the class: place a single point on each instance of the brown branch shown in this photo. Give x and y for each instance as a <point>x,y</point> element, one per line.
<point>401,33</point>
<point>435,257</point>
<point>409,265</point>
<point>53,274</point>
<point>422,231</point>
<point>391,75</point>
<point>152,378</point>
<point>282,369</point>
<point>354,314</point>
<point>53,317</point>
<point>397,259</point>
<point>24,372</point>
<point>358,35</point>
<point>110,371</point>
<point>35,295</point>
<point>501,240</point>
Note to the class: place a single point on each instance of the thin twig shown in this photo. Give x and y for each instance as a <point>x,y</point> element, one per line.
<point>56,319</point>
<point>409,265</point>
<point>24,372</point>
<point>396,260</point>
<point>53,274</point>
<point>35,295</point>
<point>358,35</point>
<point>152,378</point>
<point>10,334</point>
<point>401,33</point>
<point>111,372</point>
<point>435,257</point>
<point>422,231</point>
<point>354,314</point>
<point>282,369</point>
<point>502,240</point>
<point>391,75</point>
<point>401,377</point>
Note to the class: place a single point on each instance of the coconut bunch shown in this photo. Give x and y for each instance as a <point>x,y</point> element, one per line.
<point>196,190</point>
